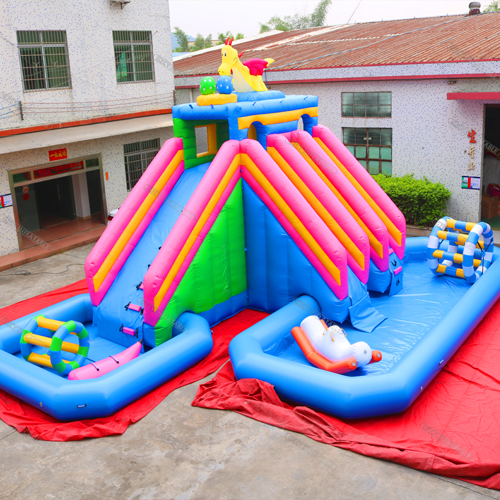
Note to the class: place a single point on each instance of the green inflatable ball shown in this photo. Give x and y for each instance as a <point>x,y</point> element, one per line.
<point>207,86</point>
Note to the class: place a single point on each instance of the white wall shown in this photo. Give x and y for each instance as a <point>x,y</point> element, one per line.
<point>89,26</point>
<point>111,151</point>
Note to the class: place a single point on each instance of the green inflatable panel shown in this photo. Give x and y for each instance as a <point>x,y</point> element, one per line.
<point>217,272</point>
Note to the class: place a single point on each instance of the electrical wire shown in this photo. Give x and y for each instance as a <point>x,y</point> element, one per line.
<point>110,100</point>
<point>354,11</point>
<point>11,113</point>
<point>10,105</point>
<point>42,106</point>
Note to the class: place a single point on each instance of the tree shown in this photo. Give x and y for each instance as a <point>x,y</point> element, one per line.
<point>223,36</point>
<point>201,43</point>
<point>296,22</point>
<point>182,40</point>
<point>493,6</point>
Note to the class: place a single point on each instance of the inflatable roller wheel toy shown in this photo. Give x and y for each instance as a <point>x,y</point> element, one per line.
<point>464,248</point>
<point>55,345</point>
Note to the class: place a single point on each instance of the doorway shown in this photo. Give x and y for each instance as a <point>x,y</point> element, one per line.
<point>58,200</point>
<point>491,163</point>
<point>55,201</point>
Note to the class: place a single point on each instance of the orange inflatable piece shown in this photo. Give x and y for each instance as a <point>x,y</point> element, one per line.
<point>316,359</point>
<point>319,361</point>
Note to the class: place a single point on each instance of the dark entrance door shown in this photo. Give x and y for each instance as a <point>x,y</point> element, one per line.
<point>55,200</point>
<point>95,191</point>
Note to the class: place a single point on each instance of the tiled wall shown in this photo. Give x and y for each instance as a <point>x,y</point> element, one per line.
<point>111,151</point>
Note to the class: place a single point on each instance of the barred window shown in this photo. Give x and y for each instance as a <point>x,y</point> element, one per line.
<point>44,59</point>
<point>133,56</point>
<point>367,104</point>
<point>138,156</point>
<point>372,147</point>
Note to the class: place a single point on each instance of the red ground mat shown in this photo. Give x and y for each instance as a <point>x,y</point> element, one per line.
<point>452,429</point>
<point>26,418</point>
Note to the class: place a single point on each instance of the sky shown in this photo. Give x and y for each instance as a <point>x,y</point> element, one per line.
<point>217,16</point>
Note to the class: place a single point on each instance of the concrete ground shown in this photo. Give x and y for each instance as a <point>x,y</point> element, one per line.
<point>181,452</point>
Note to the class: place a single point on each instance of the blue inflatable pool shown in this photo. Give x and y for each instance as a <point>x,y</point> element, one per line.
<point>83,399</point>
<point>426,324</point>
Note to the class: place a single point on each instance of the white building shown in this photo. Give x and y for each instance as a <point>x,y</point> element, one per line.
<point>405,96</point>
<point>86,91</point>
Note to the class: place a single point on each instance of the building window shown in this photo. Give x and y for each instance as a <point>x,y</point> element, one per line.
<point>44,60</point>
<point>367,104</point>
<point>138,156</point>
<point>372,147</point>
<point>133,56</point>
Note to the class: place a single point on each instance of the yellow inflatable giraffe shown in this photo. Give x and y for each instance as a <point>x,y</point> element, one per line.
<point>247,76</point>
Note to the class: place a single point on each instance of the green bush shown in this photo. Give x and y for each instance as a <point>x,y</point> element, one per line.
<point>422,202</point>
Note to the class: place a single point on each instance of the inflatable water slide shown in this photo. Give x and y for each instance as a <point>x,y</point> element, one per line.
<point>271,213</point>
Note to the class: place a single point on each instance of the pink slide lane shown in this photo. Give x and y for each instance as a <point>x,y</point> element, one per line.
<point>302,210</point>
<point>351,196</point>
<point>281,143</point>
<point>163,262</point>
<point>368,184</point>
<point>125,213</point>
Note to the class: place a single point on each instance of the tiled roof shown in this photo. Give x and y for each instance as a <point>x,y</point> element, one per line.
<point>406,41</point>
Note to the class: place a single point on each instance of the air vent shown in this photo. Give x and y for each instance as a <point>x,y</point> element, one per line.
<point>122,3</point>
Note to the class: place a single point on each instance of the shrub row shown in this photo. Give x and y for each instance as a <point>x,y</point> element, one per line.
<point>422,202</point>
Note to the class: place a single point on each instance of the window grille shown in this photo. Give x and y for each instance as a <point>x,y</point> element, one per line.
<point>133,56</point>
<point>372,147</point>
<point>138,156</point>
<point>44,60</point>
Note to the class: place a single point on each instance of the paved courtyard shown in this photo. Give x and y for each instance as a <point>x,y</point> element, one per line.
<point>181,452</point>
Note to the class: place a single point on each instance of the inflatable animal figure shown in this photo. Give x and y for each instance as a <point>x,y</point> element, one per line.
<point>247,76</point>
<point>328,347</point>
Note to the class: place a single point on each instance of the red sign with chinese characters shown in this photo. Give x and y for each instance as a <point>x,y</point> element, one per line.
<point>58,169</point>
<point>58,154</point>
<point>472,134</point>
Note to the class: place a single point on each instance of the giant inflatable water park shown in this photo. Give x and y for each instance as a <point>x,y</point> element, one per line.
<point>274,213</point>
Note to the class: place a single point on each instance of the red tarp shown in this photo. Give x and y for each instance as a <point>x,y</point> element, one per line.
<point>26,418</point>
<point>452,429</point>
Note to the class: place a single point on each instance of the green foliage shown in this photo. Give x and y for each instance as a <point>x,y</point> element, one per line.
<point>201,43</point>
<point>182,40</point>
<point>222,36</point>
<point>297,22</point>
<point>422,202</point>
<point>493,6</point>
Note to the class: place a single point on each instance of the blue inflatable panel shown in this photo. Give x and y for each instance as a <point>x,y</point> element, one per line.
<point>427,323</point>
<point>362,314</point>
<point>226,309</point>
<point>259,96</point>
<point>246,108</point>
<point>277,270</point>
<point>378,281</point>
<point>111,314</point>
<point>83,399</point>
